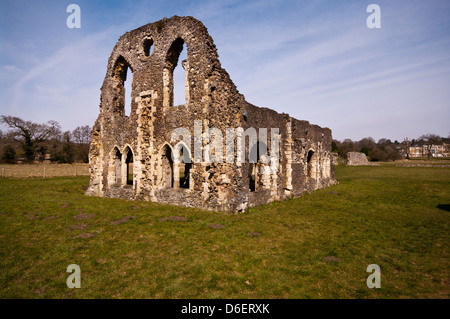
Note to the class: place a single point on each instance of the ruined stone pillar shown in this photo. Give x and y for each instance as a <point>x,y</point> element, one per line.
<point>176,174</point>
<point>288,154</point>
<point>167,78</point>
<point>185,65</point>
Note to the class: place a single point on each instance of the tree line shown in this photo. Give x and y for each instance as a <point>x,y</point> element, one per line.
<point>386,150</point>
<point>27,141</point>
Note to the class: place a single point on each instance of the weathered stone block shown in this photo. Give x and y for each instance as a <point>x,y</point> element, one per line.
<point>356,158</point>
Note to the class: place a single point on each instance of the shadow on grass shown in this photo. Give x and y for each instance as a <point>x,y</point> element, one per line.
<point>445,207</point>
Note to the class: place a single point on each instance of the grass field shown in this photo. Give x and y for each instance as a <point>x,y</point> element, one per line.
<point>316,246</point>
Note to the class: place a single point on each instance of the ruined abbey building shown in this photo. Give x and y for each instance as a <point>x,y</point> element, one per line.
<point>131,156</point>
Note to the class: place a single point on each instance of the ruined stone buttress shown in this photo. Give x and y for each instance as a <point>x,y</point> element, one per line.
<point>216,151</point>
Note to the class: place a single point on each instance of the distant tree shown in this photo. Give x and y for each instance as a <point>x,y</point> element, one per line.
<point>9,154</point>
<point>68,148</point>
<point>365,145</point>
<point>346,146</point>
<point>377,155</point>
<point>367,142</point>
<point>391,153</point>
<point>407,145</point>
<point>63,150</point>
<point>365,150</point>
<point>428,140</point>
<point>81,136</point>
<point>335,146</point>
<point>446,139</point>
<point>30,135</point>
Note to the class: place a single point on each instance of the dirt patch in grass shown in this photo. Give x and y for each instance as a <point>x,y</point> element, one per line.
<point>214,226</point>
<point>254,234</point>
<point>83,226</point>
<point>175,218</point>
<point>33,215</point>
<point>86,235</point>
<point>83,216</point>
<point>332,258</point>
<point>123,220</point>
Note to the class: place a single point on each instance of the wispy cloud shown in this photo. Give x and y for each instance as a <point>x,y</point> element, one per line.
<point>63,86</point>
<point>316,60</point>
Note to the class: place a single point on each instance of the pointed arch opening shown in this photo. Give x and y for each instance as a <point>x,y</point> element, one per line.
<point>184,167</point>
<point>129,177</point>
<point>117,162</point>
<point>255,153</point>
<point>180,86</point>
<point>175,77</point>
<point>122,87</point>
<point>311,164</point>
<point>147,45</point>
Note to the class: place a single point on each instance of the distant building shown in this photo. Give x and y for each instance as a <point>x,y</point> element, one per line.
<point>436,151</point>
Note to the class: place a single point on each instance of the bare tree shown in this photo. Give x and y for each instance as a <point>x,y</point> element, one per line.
<point>30,135</point>
<point>407,145</point>
<point>346,146</point>
<point>81,134</point>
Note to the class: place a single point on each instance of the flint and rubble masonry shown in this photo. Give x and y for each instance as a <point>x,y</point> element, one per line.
<point>131,156</point>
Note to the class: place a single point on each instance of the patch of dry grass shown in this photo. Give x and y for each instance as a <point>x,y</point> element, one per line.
<point>43,170</point>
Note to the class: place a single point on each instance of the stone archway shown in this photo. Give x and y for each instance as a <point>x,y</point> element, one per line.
<point>129,177</point>
<point>121,71</point>
<point>311,165</point>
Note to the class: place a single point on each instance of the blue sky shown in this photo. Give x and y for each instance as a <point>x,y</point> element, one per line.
<point>316,60</point>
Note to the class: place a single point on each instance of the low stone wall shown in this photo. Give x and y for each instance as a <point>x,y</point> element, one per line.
<point>334,158</point>
<point>356,158</point>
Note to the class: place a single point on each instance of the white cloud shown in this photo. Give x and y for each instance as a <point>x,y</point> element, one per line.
<point>65,86</point>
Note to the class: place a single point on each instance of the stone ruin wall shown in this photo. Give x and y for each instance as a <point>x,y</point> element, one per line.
<point>356,158</point>
<point>144,137</point>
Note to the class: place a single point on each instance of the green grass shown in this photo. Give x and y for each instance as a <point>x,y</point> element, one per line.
<point>382,215</point>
